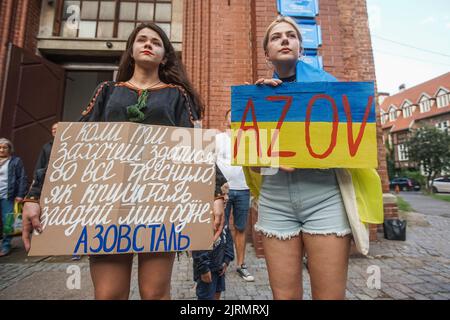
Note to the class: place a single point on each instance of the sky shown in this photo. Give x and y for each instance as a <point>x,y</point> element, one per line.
<point>396,26</point>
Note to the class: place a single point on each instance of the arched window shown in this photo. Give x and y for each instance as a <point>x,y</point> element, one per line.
<point>392,113</point>
<point>407,109</point>
<point>424,104</point>
<point>443,98</point>
<point>383,117</point>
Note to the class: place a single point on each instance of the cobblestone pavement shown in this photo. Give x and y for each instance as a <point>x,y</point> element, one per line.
<point>418,268</point>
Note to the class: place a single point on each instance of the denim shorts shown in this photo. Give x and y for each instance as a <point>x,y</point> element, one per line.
<point>239,200</point>
<point>207,291</point>
<point>306,200</point>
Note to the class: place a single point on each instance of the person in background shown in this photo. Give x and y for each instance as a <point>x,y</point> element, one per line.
<point>42,163</point>
<point>43,158</point>
<point>13,186</point>
<point>210,266</point>
<point>238,196</point>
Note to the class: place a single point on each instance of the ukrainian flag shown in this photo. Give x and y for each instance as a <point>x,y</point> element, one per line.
<point>304,125</point>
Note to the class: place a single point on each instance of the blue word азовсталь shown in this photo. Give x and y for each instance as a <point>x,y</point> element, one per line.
<point>122,239</point>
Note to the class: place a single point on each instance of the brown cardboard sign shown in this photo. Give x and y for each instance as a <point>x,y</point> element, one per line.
<point>122,187</point>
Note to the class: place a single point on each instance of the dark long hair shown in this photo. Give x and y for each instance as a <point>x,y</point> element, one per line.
<point>172,71</point>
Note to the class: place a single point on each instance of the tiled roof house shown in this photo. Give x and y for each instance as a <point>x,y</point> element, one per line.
<point>427,104</point>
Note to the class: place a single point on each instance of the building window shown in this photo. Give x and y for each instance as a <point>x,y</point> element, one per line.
<point>392,114</point>
<point>425,104</point>
<point>407,110</point>
<point>110,19</point>
<point>443,98</point>
<point>443,125</point>
<point>402,152</point>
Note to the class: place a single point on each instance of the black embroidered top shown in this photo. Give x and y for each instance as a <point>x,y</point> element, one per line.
<point>167,105</point>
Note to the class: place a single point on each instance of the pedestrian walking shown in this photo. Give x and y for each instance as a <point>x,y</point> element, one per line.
<point>210,267</point>
<point>238,196</point>
<point>13,187</point>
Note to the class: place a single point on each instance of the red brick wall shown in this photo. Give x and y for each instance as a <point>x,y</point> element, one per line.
<point>217,52</point>
<point>265,11</point>
<point>390,211</point>
<point>32,25</point>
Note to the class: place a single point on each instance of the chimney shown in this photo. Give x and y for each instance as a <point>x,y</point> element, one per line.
<point>402,87</point>
<point>382,96</point>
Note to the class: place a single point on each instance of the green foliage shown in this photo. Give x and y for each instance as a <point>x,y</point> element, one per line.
<point>390,161</point>
<point>429,147</point>
<point>415,175</point>
<point>444,197</point>
<point>403,205</point>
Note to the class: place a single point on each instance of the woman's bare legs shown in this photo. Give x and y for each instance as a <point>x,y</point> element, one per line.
<point>327,264</point>
<point>284,264</point>
<point>111,276</point>
<point>155,273</point>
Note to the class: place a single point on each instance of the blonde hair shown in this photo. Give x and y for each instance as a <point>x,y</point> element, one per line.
<point>279,20</point>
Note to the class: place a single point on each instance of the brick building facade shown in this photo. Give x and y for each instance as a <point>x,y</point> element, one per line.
<point>19,24</point>
<point>427,104</point>
<point>220,43</point>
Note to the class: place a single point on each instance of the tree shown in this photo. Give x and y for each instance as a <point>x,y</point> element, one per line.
<point>429,148</point>
<point>390,160</point>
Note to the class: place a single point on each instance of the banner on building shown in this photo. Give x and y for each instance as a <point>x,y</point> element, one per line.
<point>304,125</point>
<point>311,36</point>
<point>126,187</point>
<point>298,8</point>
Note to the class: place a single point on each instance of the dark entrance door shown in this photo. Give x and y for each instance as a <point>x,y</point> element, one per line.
<point>79,89</point>
<point>33,100</point>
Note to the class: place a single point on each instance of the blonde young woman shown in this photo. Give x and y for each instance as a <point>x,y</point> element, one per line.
<point>305,210</point>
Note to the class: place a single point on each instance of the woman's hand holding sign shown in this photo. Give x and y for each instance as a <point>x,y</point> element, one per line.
<point>269,82</point>
<point>31,214</point>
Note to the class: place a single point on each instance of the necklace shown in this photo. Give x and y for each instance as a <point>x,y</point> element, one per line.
<point>152,86</point>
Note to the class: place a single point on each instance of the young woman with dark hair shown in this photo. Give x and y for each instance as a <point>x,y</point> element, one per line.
<point>151,88</point>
